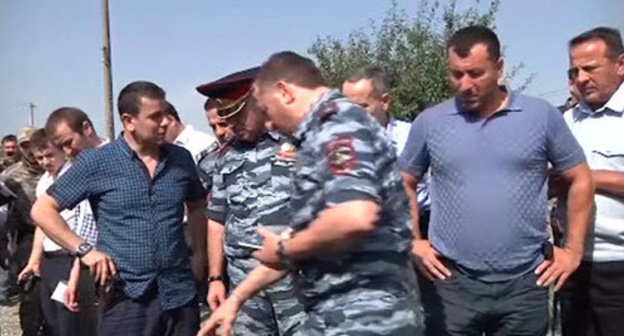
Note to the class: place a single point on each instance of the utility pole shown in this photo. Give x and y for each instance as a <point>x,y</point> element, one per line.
<point>31,117</point>
<point>108,76</point>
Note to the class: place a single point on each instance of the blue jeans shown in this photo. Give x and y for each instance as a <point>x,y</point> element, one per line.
<point>465,306</point>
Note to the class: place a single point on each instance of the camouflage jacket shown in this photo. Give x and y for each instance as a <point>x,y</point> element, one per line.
<point>251,187</point>
<point>344,155</point>
<point>22,179</point>
<point>206,164</point>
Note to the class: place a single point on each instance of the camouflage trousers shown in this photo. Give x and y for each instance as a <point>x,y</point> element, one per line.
<point>364,312</point>
<point>274,311</point>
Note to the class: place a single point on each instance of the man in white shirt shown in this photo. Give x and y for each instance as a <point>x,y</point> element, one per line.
<point>369,88</point>
<point>593,301</point>
<point>47,259</point>
<point>186,136</point>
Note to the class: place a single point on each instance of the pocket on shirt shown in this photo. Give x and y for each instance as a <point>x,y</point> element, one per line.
<point>281,175</point>
<point>609,158</point>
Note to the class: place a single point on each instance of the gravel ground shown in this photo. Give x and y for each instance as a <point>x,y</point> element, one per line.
<point>9,321</point>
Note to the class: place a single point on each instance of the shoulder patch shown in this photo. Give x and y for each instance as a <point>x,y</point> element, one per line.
<point>340,155</point>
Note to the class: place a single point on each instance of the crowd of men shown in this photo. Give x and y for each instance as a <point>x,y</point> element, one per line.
<point>315,212</point>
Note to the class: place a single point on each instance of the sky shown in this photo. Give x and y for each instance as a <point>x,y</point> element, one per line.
<point>50,50</point>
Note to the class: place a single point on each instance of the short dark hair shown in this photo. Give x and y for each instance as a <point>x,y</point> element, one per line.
<point>210,104</point>
<point>292,68</point>
<point>464,39</point>
<point>377,77</point>
<point>40,139</point>
<point>610,36</point>
<point>72,116</point>
<point>9,138</point>
<point>129,101</point>
<point>171,110</point>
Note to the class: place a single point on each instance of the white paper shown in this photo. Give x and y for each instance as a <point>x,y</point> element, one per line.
<point>59,292</point>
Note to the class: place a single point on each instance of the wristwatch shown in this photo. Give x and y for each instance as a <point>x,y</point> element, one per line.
<point>83,249</point>
<point>215,278</point>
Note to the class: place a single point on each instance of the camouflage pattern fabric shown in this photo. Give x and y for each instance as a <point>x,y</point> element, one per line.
<point>369,289</point>
<point>21,178</point>
<point>274,311</point>
<point>206,164</point>
<point>252,187</point>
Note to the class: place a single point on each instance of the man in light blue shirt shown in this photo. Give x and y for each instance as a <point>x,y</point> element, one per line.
<point>488,151</point>
<point>593,301</point>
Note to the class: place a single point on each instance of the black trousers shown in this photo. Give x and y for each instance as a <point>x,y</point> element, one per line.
<point>592,300</point>
<point>145,317</point>
<point>59,321</point>
<point>461,305</point>
<point>30,316</point>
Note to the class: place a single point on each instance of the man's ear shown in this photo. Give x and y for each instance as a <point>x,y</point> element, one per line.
<point>87,129</point>
<point>499,68</point>
<point>619,66</point>
<point>285,93</point>
<point>385,101</point>
<point>127,122</point>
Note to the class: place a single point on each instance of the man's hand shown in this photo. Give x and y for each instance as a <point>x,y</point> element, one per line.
<point>71,294</point>
<point>564,263</point>
<point>216,294</point>
<point>224,317</point>
<point>100,265</point>
<point>31,267</point>
<point>268,254</point>
<point>426,258</point>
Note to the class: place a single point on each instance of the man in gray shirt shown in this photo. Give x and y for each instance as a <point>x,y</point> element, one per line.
<point>488,150</point>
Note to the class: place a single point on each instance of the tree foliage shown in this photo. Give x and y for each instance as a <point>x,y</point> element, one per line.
<point>409,49</point>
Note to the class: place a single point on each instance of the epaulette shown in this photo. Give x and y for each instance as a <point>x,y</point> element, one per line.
<point>326,110</point>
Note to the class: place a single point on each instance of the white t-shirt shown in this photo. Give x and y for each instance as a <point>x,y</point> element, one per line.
<point>194,141</point>
<point>69,215</point>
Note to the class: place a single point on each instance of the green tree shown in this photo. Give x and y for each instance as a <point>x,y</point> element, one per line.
<point>410,50</point>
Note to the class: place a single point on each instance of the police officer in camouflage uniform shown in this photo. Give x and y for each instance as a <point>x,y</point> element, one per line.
<point>251,188</point>
<point>350,249</point>
<point>222,131</point>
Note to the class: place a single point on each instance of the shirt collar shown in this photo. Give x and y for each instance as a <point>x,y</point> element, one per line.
<point>310,117</point>
<point>391,125</point>
<point>274,135</point>
<point>130,153</point>
<point>513,103</point>
<point>614,104</point>
<point>184,136</point>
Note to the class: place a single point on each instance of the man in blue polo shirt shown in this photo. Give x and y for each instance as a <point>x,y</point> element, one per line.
<point>138,187</point>
<point>488,150</point>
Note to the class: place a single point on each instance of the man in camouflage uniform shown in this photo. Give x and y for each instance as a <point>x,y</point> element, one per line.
<point>251,188</point>
<point>21,178</point>
<point>350,250</point>
<point>223,132</point>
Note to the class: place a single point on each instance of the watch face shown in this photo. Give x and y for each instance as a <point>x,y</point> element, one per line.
<point>83,249</point>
